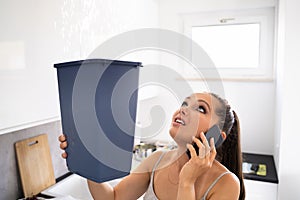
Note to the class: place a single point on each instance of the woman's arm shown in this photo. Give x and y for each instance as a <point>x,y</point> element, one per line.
<point>195,167</point>
<point>186,191</point>
<point>100,190</point>
<point>131,187</point>
<point>227,188</point>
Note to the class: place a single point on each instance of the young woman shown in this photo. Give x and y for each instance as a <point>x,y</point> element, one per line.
<point>214,174</point>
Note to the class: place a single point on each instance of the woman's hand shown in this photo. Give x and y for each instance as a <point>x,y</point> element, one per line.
<point>198,164</point>
<point>63,145</point>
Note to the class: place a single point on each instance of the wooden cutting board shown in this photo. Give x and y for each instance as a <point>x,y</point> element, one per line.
<point>35,164</point>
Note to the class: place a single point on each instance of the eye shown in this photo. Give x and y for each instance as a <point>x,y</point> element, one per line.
<point>201,109</point>
<point>184,104</point>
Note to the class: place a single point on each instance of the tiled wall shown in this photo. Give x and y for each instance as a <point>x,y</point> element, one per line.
<point>10,183</point>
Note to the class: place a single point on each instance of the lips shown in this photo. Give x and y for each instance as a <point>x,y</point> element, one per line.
<point>180,121</point>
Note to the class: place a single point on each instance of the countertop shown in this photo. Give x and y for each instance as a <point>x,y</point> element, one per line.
<point>261,159</point>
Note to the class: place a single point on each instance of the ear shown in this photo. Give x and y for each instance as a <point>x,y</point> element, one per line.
<point>223,134</point>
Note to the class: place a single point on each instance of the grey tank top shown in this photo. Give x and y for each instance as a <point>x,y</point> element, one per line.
<point>150,194</point>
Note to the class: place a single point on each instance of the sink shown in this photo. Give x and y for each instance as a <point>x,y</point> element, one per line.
<point>73,186</point>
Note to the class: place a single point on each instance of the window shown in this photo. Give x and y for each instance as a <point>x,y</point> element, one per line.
<point>240,43</point>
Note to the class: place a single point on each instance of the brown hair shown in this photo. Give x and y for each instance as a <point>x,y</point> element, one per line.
<point>229,153</point>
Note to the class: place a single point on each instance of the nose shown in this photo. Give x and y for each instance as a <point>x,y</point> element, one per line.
<point>184,110</point>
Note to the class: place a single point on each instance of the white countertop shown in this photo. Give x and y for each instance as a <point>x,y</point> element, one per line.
<point>74,187</point>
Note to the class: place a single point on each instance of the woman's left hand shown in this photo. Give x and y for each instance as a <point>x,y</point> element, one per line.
<point>198,164</point>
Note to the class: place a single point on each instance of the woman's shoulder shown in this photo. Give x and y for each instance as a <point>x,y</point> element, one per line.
<point>229,178</point>
<point>226,175</point>
<point>225,182</point>
<point>228,183</point>
<point>147,164</point>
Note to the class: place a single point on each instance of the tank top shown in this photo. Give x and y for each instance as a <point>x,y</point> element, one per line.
<point>150,194</point>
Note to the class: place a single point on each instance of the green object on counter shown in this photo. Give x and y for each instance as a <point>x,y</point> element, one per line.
<point>254,168</point>
<point>262,170</point>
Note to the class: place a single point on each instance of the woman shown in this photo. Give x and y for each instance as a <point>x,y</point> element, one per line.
<point>214,174</point>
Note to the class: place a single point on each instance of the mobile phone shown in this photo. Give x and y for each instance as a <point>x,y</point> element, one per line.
<point>213,132</point>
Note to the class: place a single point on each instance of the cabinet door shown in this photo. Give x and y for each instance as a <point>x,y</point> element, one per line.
<point>258,190</point>
<point>36,35</point>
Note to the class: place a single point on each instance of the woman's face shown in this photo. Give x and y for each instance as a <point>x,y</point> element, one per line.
<point>196,115</point>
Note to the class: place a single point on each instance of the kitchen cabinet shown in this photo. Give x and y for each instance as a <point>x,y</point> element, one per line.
<point>34,38</point>
<point>260,190</point>
<point>261,187</point>
<point>38,35</point>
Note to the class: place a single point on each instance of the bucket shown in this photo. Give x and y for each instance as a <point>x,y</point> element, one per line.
<point>98,100</point>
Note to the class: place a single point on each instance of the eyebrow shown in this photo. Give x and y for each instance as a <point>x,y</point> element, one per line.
<point>200,100</point>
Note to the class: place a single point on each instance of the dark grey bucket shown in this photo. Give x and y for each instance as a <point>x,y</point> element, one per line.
<point>98,100</point>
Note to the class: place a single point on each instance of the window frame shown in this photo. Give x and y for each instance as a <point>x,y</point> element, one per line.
<point>263,16</point>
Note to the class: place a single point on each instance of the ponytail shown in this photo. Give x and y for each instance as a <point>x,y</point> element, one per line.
<point>229,153</point>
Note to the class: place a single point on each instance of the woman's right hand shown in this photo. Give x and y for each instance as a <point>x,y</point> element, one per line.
<point>63,145</point>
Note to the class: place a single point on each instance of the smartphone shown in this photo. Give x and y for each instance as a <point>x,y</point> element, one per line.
<point>213,132</point>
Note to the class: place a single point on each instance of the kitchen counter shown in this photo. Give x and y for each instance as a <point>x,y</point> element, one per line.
<point>268,160</point>
<point>72,187</point>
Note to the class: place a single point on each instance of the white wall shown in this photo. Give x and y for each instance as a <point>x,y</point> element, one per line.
<point>288,100</point>
<point>41,33</point>
<point>36,34</point>
<point>170,11</point>
<point>253,101</point>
